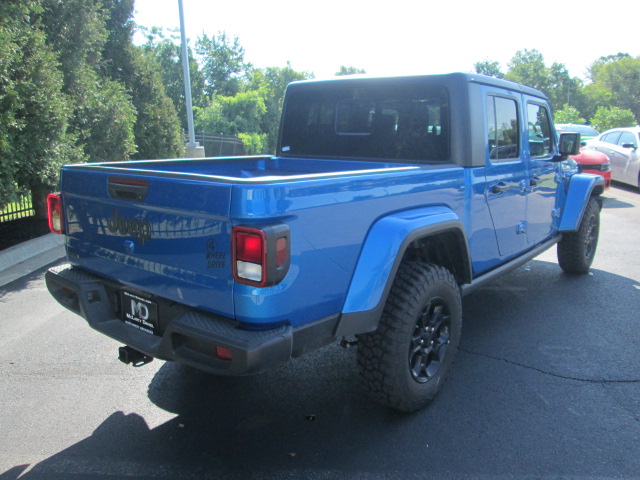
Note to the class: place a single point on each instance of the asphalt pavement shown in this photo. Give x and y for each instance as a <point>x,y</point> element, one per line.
<point>546,385</point>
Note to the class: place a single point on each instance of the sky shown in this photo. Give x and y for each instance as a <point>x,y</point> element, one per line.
<point>406,36</point>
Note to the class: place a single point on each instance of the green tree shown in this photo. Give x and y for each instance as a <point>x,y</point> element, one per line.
<point>222,62</point>
<point>562,88</point>
<point>596,95</point>
<point>349,71</point>
<point>233,115</point>
<point>34,142</point>
<point>528,68</point>
<point>595,66</point>
<point>273,81</point>
<point>168,55</point>
<point>120,27</point>
<point>612,117</point>
<point>105,118</point>
<point>103,115</point>
<point>489,68</point>
<point>76,30</point>
<point>568,115</point>
<point>157,126</point>
<point>621,78</point>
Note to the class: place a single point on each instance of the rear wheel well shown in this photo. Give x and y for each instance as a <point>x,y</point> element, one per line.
<point>597,190</point>
<point>446,249</point>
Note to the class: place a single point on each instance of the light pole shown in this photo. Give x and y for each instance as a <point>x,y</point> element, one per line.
<point>192,149</point>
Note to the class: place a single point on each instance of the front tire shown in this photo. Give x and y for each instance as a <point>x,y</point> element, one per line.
<point>577,250</point>
<point>407,359</point>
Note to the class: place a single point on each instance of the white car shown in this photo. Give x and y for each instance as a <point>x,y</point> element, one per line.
<point>621,146</point>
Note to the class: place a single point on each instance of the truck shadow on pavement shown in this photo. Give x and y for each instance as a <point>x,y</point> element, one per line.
<point>311,415</point>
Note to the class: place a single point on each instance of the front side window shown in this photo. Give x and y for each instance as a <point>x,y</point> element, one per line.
<point>503,129</point>
<point>373,120</point>
<point>539,129</point>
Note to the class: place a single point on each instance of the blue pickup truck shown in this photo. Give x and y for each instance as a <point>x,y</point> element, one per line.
<point>387,200</point>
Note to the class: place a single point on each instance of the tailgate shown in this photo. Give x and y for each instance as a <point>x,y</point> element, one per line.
<point>164,235</point>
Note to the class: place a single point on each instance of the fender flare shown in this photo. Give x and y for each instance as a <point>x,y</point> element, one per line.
<point>581,186</point>
<point>380,257</point>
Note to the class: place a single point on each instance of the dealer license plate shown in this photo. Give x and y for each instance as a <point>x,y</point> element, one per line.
<point>140,313</point>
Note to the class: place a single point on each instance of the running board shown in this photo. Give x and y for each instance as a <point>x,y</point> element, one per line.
<point>507,267</point>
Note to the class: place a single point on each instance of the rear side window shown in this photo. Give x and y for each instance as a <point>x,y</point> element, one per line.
<point>503,130</point>
<point>611,137</point>
<point>539,129</point>
<point>372,120</point>
<point>628,138</point>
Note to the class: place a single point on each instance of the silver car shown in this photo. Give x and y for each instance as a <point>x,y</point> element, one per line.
<point>621,146</point>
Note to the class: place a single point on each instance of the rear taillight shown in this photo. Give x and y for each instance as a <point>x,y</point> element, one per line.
<point>261,256</point>
<point>54,210</point>
<point>250,253</point>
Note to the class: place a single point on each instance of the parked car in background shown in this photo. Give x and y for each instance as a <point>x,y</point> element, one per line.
<point>593,161</point>
<point>621,146</point>
<point>586,132</point>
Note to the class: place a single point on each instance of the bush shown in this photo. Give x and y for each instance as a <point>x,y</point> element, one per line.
<point>254,143</point>
<point>612,117</point>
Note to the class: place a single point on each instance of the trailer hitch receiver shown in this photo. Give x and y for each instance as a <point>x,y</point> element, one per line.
<point>132,356</point>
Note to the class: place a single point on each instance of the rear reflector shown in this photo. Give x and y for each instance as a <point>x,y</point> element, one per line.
<point>223,353</point>
<point>281,251</point>
<point>54,211</point>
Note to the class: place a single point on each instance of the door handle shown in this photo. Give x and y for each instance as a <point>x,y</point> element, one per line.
<point>500,187</point>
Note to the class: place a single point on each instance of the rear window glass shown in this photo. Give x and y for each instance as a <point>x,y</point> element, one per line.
<point>369,121</point>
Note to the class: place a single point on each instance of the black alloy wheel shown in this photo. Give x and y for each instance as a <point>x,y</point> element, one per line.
<point>430,340</point>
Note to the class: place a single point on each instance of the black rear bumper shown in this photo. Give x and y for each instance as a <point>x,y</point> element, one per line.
<point>188,336</point>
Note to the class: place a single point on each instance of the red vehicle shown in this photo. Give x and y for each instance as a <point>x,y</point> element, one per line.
<point>596,162</point>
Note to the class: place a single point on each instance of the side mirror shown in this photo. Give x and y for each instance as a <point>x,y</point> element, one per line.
<point>629,145</point>
<point>569,144</point>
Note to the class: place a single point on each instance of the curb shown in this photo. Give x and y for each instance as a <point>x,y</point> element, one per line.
<point>28,256</point>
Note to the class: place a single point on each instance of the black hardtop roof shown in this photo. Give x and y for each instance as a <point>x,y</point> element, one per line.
<point>456,78</point>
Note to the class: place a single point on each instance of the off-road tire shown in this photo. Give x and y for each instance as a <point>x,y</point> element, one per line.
<point>577,249</point>
<point>407,359</point>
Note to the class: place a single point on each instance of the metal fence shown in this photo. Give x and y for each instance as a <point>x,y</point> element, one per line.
<point>16,210</point>
<point>220,145</point>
